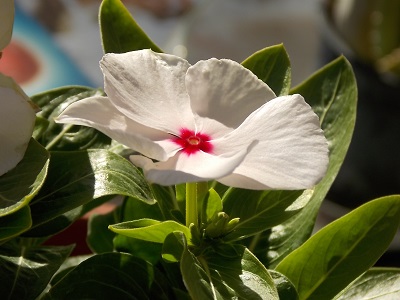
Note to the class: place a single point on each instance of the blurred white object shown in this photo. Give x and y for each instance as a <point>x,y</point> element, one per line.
<point>6,22</point>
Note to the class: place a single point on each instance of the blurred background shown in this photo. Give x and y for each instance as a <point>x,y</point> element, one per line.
<point>57,42</point>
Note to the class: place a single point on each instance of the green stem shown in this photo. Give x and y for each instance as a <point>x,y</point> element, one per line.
<point>195,191</point>
<point>191,203</point>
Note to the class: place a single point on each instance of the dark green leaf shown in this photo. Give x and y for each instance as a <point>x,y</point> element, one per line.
<point>111,276</point>
<point>271,65</point>
<point>286,289</point>
<point>173,247</point>
<point>77,177</point>
<point>237,275</point>
<point>14,224</point>
<point>376,283</point>
<point>260,210</point>
<point>99,237</point>
<point>119,31</point>
<point>339,253</point>
<point>66,136</point>
<point>332,93</point>
<point>25,271</point>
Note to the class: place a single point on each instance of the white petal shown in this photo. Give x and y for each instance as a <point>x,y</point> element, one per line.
<point>17,119</point>
<point>149,88</point>
<point>99,113</point>
<point>194,168</point>
<point>6,22</point>
<point>292,152</point>
<point>225,91</point>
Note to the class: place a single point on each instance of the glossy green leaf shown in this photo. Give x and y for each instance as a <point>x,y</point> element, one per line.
<point>111,276</point>
<point>77,177</point>
<point>30,174</point>
<point>376,283</point>
<point>215,275</point>
<point>150,230</point>
<point>271,65</point>
<point>260,210</point>
<point>119,31</point>
<point>25,271</point>
<point>332,93</point>
<point>339,253</point>
<point>66,136</point>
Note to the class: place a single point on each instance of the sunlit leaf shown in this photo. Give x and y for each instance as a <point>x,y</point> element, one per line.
<point>271,65</point>
<point>77,177</point>
<point>119,31</point>
<point>343,250</point>
<point>332,93</point>
<point>376,283</point>
<point>150,230</point>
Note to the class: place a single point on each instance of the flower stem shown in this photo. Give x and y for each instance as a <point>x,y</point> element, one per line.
<point>195,191</point>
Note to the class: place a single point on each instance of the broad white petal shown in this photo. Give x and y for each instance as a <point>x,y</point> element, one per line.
<point>291,153</point>
<point>183,168</point>
<point>99,113</point>
<point>225,91</point>
<point>17,119</point>
<point>149,88</point>
<point>6,22</point>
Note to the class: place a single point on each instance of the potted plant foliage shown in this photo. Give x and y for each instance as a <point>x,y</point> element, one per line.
<point>222,167</point>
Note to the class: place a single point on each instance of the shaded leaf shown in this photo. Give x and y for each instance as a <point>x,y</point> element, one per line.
<point>99,237</point>
<point>339,253</point>
<point>16,223</point>
<point>286,289</point>
<point>260,210</point>
<point>25,271</point>
<point>271,65</point>
<point>119,31</point>
<point>111,276</point>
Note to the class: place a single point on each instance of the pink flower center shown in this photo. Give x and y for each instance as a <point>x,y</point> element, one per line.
<point>192,142</point>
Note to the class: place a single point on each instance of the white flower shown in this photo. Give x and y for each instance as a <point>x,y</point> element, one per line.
<point>17,119</point>
<point>212,120</point>
<point>6,22</point>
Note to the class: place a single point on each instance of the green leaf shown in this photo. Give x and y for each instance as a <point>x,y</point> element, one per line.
<point>17,189</point>
<point>211,205</point>
<point>66,136</point>
<point>260,210</point>
<point>111,276</point>
<point>214,275</point>
<point>271,65</point>
<point>173,247</point>
<point>77,177</point>
<point>150,230</point>
<point>30,174</point>
<point>119,31</point>
<point>16,223</point>
<point>376,283</point>
<point>332,93</point>
<point>99,237</point>
<point>25,271</point>
<point>339,253</point>
<point>286,289</point>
